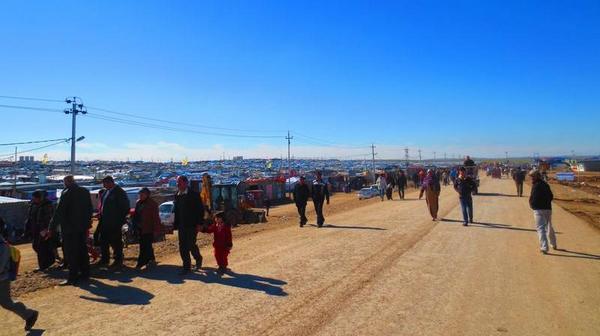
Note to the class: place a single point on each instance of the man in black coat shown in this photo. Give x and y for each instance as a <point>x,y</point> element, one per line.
<point>74,217</point>
<point>301,194</point>
<point>519,178</point>
<point>189,219</point>
<point>402,183</point>
<point>114,208</point>
<point>319,193</point>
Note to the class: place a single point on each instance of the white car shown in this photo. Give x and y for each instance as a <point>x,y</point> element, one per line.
<point>366,193</point>
<point>167,216</point>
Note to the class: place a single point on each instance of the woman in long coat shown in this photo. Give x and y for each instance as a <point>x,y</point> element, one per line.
<point>40,214</point>
<point>431,188</point>
<point>147,220</point>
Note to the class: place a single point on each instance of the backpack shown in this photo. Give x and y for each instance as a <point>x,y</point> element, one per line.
<point>13,262</point>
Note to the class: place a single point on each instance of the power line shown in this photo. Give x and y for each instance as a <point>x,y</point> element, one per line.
<point>320,142</point>
<point>4,156</point>
<point>33,142</point>
<point>31,108</point>
<point>178,122</point>
<point>176,129</point>
<point>33,99</point>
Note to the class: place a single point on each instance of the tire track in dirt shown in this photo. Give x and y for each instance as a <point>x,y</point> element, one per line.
<point>320,307</point>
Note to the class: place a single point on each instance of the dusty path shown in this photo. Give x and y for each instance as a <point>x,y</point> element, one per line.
<point>382,269</point>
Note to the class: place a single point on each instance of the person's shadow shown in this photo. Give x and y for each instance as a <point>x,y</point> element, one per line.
<point>573,254</point>
<point>246,281</point>
<point>350,227</point>
<point>120,294</point>
<point>170,274</point>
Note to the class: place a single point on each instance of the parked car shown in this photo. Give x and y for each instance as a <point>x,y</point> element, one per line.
<point>366,193</point>
<point>167,216</point>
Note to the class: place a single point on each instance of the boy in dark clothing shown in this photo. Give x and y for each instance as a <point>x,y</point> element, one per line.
<point>222,241</point>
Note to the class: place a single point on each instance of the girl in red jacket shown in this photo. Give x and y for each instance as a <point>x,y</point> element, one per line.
<point>222,241</point>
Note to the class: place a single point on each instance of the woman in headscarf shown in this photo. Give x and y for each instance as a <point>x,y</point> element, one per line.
<point>431,188</point>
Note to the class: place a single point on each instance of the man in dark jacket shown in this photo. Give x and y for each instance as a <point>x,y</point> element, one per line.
<point>301,194</point>
<point>114,208</point>
<point>402,183</point>
<point>319,193</point>
<point>40,214</point>
<point>74,216</point>
<point>464,186</point>
<point>189,219</point>
<point>519,178</point>
<point>540,202</point>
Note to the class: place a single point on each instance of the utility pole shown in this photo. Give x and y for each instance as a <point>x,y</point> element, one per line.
<point>406,156</point>
<point>419,155</point>
<point>433,156</point>
<point>15,175</point>
<point>76,108</point>
<point>373,160</point>
<point>444,156</point>
<point>289,138</point>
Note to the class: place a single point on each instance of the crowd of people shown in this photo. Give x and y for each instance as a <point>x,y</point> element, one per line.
<point>72,222</point>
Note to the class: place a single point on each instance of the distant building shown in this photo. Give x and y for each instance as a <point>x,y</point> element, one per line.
<point>589,165</point>
<point>238,158</point>
<point>26,158</point>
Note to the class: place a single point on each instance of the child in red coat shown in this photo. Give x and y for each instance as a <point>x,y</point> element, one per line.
<point>222,241</point>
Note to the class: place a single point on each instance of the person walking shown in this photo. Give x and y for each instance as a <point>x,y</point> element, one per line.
<point>319,194</point>
<point>114,210</point>
<point>301,194</point>
<point>28,315</point>
<point>222,241</point>
<point>74,217</point>
<point>41,211</point>
<point>267,205</point>
<point>540,202</point>
<point>189,220</point>
<point>382,185</point>
<point>147,220</point>
<point>431,188</point>
<point>519,178</point>
<point>416,180</point>
<point>464,186</point>
<point>402,183</point>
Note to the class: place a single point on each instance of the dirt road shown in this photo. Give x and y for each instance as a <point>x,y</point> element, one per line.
<point>381,269</point>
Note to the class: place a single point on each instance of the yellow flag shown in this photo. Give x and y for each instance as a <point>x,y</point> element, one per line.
<point>185,161</point>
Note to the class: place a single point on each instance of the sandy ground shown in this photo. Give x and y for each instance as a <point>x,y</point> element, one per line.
<point>382,268</point>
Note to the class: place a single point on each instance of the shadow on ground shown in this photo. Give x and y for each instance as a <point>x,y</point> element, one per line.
<point>170,274</point>
<point>120,294</point>
<point>573,254</point>
<point>495,194</point>
<point>491,225</point>
<point>350,227</point>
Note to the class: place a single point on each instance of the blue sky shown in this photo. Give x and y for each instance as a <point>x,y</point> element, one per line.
<point>460,77</point>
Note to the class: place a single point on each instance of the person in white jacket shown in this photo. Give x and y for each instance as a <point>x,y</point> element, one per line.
<point>28,315</point>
